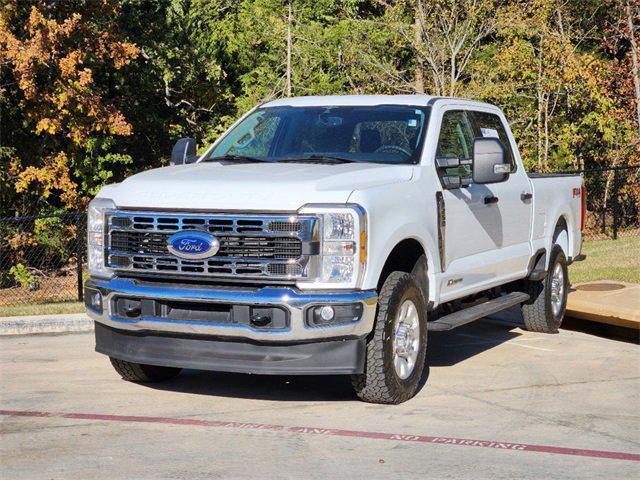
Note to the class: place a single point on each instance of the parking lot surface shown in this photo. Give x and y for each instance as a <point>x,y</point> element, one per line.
<point>499,403</point>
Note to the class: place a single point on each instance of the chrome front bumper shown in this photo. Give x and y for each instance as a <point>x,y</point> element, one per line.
<point>293,300</point>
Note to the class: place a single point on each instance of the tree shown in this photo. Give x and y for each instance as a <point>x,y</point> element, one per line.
<point>442,37</point>
<point>94,90</point>
<point>447,34</point>
<point>64,60</point>
<point>622,39</point>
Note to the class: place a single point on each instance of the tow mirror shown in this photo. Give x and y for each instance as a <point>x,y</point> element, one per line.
<point>488,161</point>
<point>184,151</point>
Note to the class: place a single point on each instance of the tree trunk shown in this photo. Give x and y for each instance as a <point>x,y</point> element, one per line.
<point>452,75</point>
<point>546,132</point>
<point>634,57</point>
<point>539,116</point>
<point>605,197</point>
<point>289,20</point>
<point>417,35</point>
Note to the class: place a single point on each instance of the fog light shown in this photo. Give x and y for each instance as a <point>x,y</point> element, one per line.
<point>327,313</point>
<point>93,299</point>
<point>330,315</point>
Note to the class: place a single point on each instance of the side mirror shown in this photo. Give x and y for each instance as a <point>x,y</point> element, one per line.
<point>456,173</point>
<point>184,151</point>
<point>488,161</point>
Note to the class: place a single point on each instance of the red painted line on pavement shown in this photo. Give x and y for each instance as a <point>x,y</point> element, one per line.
<point>465,442</point>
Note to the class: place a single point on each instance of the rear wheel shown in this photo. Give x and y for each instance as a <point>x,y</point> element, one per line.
<point>396,351</point>
<point>138,372</point>
<point>544,311</point>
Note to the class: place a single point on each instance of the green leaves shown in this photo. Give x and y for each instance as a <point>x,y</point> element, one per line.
<point>124,84</point>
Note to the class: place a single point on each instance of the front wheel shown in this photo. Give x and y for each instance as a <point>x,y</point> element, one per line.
<point>544,311</point>
<point>396,352</point>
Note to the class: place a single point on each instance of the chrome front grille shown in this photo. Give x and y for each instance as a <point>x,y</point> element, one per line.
<point>274,246</point>
<point>231,246</point>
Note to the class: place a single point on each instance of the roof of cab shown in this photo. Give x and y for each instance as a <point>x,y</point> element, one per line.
<point>364,100</point>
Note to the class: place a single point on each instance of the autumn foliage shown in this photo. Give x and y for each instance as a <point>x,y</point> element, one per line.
<point>92,91</point>
<point>54,63</point>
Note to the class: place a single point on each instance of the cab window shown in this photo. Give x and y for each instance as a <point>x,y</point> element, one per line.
<point>489,125</point>
<point>456,141</point>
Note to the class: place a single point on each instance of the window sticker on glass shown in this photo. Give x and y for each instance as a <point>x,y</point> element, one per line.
<point>412,122</point>
<point>489,132</point>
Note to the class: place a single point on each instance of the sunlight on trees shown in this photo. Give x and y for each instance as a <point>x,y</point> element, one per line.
<point>94,90</point>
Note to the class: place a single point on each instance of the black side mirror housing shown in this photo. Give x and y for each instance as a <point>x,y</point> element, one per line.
<point>455,173</point>
<point>184,151</point>
<point>489,161</point>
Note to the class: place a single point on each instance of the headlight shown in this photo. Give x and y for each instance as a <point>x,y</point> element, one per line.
<point>95,237</point>
<point>338,226</point>
<point>343,246</point>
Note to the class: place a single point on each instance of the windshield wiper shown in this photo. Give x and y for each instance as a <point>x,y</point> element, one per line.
<point>236,158</point>
<point>319,159</point>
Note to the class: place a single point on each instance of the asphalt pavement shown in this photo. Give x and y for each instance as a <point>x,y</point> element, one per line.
<point>498,402</point>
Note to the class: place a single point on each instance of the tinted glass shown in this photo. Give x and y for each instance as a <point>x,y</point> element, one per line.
<point>456,136</point>
<point>456,141</point>
<point>490,125</point>
<point>384,134</point>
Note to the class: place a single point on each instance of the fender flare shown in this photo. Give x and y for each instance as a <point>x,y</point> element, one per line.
<point>562,237</point>
<point>430,251</point>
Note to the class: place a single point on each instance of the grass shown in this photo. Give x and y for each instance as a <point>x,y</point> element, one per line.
<point>41,309</point>
<point>608,260</point>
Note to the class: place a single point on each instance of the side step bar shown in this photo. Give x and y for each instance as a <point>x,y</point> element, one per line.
<point>468,315</point>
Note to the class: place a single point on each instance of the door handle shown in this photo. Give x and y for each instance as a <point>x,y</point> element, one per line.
<point>490,200</point>
<point>526,196</point>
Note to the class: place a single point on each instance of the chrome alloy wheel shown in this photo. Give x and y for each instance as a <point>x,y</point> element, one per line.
<point>406,339</point>
<point>557,289</point>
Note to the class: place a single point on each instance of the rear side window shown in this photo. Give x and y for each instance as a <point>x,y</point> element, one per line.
<point>489,125</point>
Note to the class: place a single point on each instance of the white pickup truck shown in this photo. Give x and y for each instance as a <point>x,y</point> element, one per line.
<point>328,235</point>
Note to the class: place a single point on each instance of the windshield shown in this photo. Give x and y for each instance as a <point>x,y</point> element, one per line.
<point>382,133</point>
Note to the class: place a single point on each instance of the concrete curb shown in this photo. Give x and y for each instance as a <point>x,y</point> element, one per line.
<point>618,306</point>
<point>37,324</point>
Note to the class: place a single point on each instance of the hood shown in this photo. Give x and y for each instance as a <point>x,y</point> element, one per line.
<point>250,186</point>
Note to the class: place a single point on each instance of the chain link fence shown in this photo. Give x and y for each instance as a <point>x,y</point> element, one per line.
<point>42,257</point>
<point>613,202</point>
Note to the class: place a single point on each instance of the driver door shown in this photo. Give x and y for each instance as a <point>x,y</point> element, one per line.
<point>472,231</point>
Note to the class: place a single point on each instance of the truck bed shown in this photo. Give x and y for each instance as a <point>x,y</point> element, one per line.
<point>556,195</point>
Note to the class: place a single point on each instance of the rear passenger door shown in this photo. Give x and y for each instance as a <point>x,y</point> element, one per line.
<point>514,209</point>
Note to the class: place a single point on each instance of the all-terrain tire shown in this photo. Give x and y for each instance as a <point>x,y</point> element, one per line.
<point>380,383</point>
<point>537,312</point>
<point>138,372</point>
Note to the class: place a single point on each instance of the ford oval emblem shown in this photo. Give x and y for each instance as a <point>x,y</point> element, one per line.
<point>193,245</point>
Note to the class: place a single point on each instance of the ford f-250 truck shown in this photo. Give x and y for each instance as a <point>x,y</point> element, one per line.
<point>328,235</point>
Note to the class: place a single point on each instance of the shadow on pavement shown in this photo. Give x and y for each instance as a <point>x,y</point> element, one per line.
<point>602,330</point>
<point>296,388</point>
<point>445,349</point>
<point>449,348</point>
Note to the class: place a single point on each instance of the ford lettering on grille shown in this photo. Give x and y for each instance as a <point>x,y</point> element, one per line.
<point>193,245</point>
